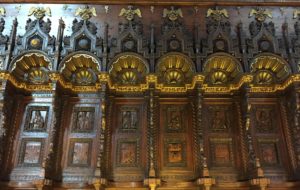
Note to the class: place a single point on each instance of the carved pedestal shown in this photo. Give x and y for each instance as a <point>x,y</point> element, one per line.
<point>99,183</point>
<point>153,183</point>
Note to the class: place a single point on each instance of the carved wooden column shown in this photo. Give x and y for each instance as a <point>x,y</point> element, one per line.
<point>152,181</point>
<point>256,173</point>
<point>99,180</point>
<point>293,131</point>
<point>205,179</point>
<point>4,110</point>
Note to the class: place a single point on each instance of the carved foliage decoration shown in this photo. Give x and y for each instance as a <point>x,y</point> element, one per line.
<point>31,152</point>
<point>269,152</point>
<point>32,68</point>
<point>36,118</point>
<point>221,69</point>
<point>268,69</point>
<point>128,153</point>
<point>175,152</point>
<point>80,152</point>
<point>128,69</point>
<point>175,69</point>
<point>221,152</point>
<point>260,14</point>
<point>83,119</point>
<point>80,69</point>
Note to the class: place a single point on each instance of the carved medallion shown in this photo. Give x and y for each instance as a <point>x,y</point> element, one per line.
<point>83,119</point>
<point>36,118</point>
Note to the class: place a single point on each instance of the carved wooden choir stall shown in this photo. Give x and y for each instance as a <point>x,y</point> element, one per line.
<point>148,96</point>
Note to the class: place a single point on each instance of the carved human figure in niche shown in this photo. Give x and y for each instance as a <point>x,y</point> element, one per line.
<point>128,153</point>
<point>219,120</point>
<point>263,119</point>
<point>174,122</point>
<point>174,152</point>
<point>129,119</point>
<point>37,120</point>
<point>83,120</point>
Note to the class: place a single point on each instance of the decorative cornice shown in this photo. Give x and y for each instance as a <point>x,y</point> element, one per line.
<point>151,79</point>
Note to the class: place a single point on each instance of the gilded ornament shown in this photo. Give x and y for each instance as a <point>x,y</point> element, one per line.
<point>172,14</point>
<point>2,11</point>
<point>39,12</point>
<point>130,13</point>
<point>217,14</point>
<point>86,13</point>
<point>260,14</point>
<point>296,14</point>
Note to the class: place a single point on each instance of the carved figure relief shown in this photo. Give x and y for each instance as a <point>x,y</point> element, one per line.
<point>129,118</point>
<point>36,118</point>
<point>174,119</point>
<point>80,153</point>
<point>263,119</point>
<point>83,119</point>
<point>269,154</point>
<point>127,153</point>
<point>219,119</point>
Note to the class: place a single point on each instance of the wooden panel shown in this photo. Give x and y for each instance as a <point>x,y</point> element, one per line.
<point>81,125</point>
<point>176,161</point>
<point>128,148</point>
